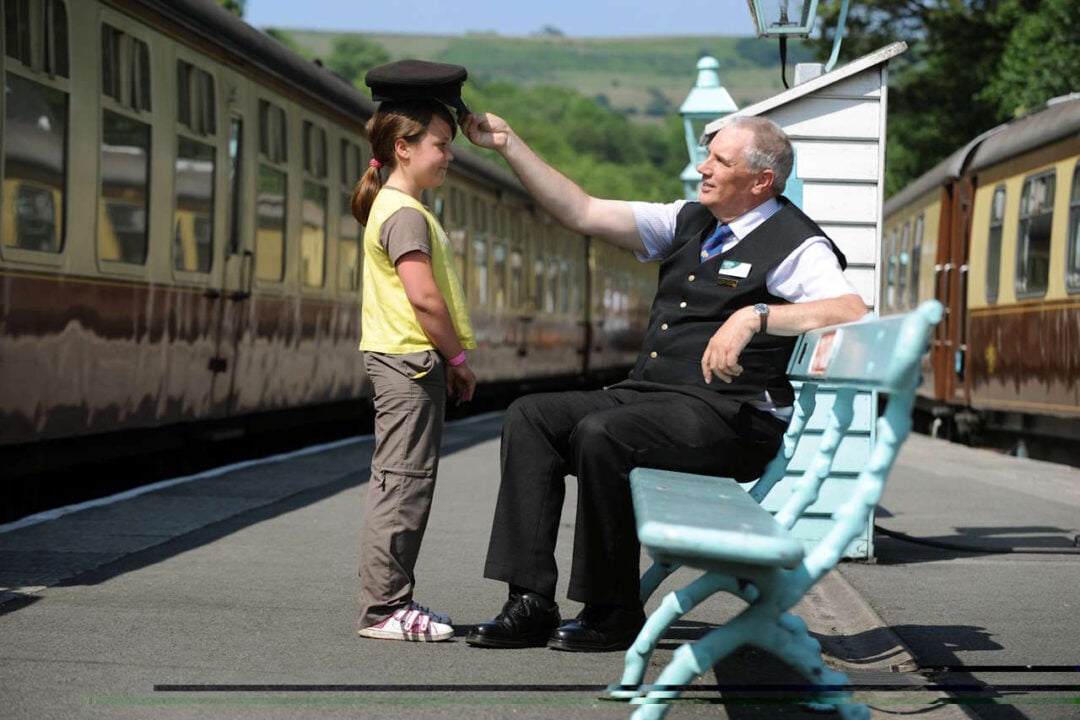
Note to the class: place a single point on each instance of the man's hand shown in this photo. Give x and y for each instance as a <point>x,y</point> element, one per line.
<point>721,357</point>
<point>487,131</point>
<point>460,383</point>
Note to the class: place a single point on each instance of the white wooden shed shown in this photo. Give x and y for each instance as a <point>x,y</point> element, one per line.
<point>836,123</point>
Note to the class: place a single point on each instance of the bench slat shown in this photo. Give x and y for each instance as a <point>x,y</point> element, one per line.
<point>684,516</point>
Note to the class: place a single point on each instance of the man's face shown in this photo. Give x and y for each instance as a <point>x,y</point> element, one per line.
<point>729,187</point>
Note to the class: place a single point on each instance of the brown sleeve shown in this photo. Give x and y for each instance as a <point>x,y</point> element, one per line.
<point>403,232</point>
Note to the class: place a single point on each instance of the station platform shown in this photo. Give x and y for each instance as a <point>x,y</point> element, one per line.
<point>233,594</point>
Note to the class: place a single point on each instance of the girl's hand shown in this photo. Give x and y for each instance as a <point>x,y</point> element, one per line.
<point>487,131</point>
<point>460,383</point>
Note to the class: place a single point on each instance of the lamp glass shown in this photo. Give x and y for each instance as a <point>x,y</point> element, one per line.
<point>776,18</point>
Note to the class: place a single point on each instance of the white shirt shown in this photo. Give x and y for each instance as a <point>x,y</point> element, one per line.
<point>812,272</point>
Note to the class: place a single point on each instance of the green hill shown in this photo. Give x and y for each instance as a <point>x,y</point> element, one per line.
<point>642,77</point>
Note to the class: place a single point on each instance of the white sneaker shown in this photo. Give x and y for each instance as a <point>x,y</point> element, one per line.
<point>414,623</point>
<point>436,616</point>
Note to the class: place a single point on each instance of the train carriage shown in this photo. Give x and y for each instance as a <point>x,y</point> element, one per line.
<point>992,233</point>
<point>178,251</point>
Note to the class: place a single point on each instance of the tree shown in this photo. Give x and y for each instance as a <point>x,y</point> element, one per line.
<point>352,56</point>
<point>1040,60</point>
<point>236,7</point>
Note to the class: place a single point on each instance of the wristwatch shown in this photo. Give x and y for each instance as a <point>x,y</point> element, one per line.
<point>762,311</point>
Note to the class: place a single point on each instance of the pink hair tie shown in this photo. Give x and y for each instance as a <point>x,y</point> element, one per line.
<point>374,163</point>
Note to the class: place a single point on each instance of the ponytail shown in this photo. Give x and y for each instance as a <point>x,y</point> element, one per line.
<point>364,192</point>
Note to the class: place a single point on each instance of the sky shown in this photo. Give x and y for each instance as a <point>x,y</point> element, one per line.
<point>578,18</point>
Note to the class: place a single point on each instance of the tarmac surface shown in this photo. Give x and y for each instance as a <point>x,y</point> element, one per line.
<point>234,595</point>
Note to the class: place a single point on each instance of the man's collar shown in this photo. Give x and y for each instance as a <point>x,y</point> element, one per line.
<point>749,220</point>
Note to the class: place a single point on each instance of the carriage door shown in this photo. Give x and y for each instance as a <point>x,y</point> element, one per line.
<point>959,381</point>
<point>239,255</point>
<point>941,346</point>
<point>949,348</point>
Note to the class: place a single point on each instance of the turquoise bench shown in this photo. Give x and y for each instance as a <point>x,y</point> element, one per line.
<point>712,524</point>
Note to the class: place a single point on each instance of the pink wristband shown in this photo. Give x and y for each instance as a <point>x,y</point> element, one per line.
<point>457,359</point>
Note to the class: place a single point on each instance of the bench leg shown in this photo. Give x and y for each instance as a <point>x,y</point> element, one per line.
<point>652,579</point>
<point>693,659</point>
<point>792,643</point>
<point>674,605</point>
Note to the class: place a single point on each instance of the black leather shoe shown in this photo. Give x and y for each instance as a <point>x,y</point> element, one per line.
<point>526,620</point>
<point>600,628</point>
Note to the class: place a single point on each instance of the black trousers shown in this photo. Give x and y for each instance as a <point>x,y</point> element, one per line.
<point>599,436</point>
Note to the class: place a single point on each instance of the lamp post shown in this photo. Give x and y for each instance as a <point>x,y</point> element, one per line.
<point>794,18</point>
<point>707,101</point>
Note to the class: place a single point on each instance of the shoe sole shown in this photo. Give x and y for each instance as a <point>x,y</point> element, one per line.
<point>381,634</point>
<point>486,642</point>
<point>567,646</point>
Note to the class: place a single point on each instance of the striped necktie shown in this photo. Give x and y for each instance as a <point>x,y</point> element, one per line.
<point>715,242</point>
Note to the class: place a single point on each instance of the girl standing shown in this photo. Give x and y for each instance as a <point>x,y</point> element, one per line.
<point>415,331</point>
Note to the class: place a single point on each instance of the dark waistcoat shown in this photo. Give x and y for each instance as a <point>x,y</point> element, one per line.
<point>694,299</point>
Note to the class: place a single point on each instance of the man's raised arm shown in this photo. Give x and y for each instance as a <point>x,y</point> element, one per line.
<point>612,220</point>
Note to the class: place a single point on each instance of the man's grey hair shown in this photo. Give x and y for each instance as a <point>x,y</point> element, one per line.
<point>770,150</point>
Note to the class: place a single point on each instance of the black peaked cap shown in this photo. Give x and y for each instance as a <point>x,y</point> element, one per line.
<point>417,80</point>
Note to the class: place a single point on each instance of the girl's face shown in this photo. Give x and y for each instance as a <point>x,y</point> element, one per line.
<point>431,155</point>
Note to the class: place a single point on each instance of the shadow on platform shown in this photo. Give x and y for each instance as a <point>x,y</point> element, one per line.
<point>59,552</point>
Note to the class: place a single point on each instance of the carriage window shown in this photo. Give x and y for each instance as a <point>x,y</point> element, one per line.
<point>36,34</point>
<point>1033,235</point>
<point>271,194</point>
<point>902,265</point>
<point>270,224</point>
<point>498,274</point>
<point>195,105</point>
<point>35,165</point>
<point>481,271</point>
<point>569,296</point>
<point>1072,260</point>
<point>890,277</point>
<point>993,244</point>
<point>538,280</point>
<point>313,235</point>
<point>125,69</point>
<point>272,132</point>
<point>479,215</point>
<point>348,228</point>
<point>193,222</point>
<point>125,180</point>
<point>916,261</point>
<point>553,288</point>
<point>516,277</point>
<point>313,210</point>
<point>457,207</point>
<point>314,150</point>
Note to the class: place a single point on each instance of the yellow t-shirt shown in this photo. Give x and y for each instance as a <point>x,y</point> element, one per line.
<point>389,324</point>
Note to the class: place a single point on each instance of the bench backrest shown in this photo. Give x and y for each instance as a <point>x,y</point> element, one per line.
<point>875,354</point>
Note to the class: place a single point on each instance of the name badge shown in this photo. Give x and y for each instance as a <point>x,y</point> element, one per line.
<point>733,268</point>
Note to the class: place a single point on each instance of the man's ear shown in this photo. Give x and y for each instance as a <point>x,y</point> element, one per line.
<point>764,182</point>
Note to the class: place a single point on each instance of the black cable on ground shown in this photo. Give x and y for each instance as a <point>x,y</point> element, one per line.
<point>978,548</point>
